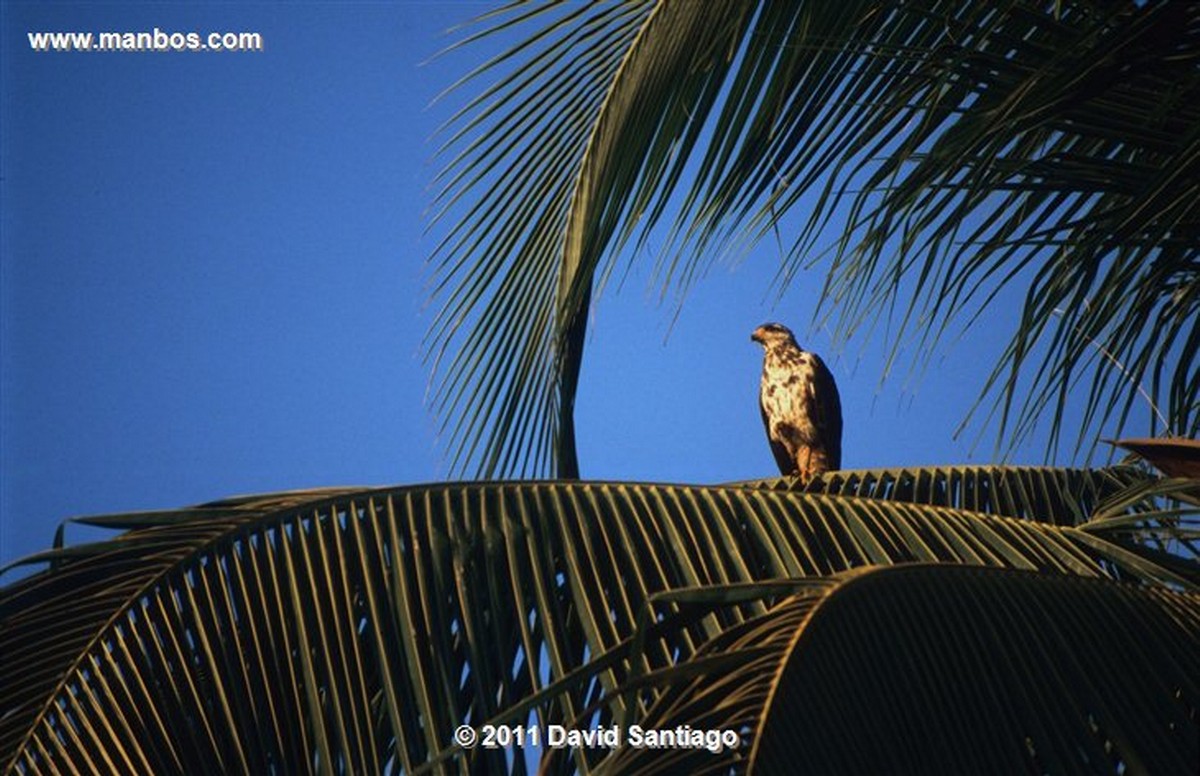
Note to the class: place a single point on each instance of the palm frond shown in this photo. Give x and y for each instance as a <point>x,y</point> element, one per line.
<point>951,670</point>
<point>978,146</point>
<point>560,154</point>
<point>940,152</point>
<point>1172,457</point>
<point>1060,496</point>
<point>1157,519</point>
<point>354,630</point>
<point>1147,516</point>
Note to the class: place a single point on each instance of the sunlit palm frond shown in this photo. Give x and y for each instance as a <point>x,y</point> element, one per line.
<point>1059,496</point>
<point>1156,518</point>
<point>937,153</point>
<point>355,629</point>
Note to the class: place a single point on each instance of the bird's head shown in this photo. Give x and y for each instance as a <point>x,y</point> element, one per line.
<point>772,335</point>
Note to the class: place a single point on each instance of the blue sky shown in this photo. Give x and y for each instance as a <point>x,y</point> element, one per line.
<point>214,282</point>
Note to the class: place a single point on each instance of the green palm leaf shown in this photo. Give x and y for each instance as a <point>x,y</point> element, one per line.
<point>938,151</point>
<point>354,629</point>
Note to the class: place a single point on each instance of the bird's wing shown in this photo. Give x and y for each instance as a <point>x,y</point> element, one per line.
<point>825,412</point>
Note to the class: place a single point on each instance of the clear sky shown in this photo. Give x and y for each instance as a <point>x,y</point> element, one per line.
<point>214,282</point>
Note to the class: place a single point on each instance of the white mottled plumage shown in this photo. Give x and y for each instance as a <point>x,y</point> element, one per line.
<point>800,406</point>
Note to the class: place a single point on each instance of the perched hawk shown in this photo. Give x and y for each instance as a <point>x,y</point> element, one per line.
<point>800,406</point>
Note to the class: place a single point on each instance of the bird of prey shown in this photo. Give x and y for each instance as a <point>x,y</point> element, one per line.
<point>800,406</point>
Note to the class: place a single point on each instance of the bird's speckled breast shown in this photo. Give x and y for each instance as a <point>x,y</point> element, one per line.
<point>787,387</point>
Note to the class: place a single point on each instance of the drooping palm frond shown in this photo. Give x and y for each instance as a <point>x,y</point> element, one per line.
<point>355,629</point>
<point>1036,143</point>
<point>943,669</point>
<point>558,156</point>
<point>942,151</point>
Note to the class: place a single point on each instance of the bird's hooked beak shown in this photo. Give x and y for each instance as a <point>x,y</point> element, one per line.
<point>757,336</point>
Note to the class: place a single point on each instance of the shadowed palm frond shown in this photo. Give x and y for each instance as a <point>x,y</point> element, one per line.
<point>355,629</point>
<point>938,153</point>
<point>951,669</point>
<point>551,163</point>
